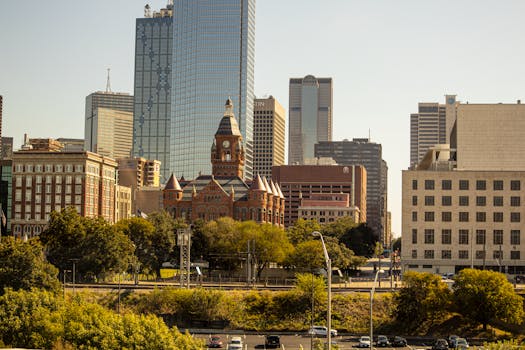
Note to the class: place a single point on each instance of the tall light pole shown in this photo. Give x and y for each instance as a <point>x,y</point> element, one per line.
<point>329,276</point>
<point>371,305</point>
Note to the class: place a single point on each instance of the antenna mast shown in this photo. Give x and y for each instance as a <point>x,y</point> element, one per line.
<point>108,84</point>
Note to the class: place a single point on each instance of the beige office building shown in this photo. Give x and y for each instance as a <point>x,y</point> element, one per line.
<point>268,135</point>
<point>50,181</point>
<point>143,176</point>
<point>112,133</point>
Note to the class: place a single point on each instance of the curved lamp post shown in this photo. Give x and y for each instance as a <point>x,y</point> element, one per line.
<point>371,304</point>
<point>329,276</point>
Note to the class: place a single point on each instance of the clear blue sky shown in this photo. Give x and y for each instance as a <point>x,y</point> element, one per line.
<point>384,56</point>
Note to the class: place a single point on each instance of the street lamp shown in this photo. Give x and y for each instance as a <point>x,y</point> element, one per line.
<point>329,276</point>
<point>371,303</point>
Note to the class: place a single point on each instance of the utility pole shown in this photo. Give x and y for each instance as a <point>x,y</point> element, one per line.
<point>184,243</point>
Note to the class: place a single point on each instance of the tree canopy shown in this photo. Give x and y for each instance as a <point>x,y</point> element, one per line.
<point>490,289</point>
<point>23,266</point>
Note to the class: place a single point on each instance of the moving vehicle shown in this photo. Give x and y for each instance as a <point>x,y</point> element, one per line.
<point>440,344</point>
<point>272,341</point>
<point>452,340</point>
<point>215,342</point>
<point>461,343</point>
<point>322,331</point>
<point>399,342</point>
<point>364,342</point>
<point>382,341</point>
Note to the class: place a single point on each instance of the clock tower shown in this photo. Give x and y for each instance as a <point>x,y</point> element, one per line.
<point>227,151</point>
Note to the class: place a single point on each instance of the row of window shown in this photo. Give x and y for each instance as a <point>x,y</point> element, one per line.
<point>49,168</point>
<point>464,216</point>
<point>464,254</point>
<point>463,201</point>
<point>481,185</point>
<point>463,236</point>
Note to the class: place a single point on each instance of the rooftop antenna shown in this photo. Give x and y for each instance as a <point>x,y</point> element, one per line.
<point>170,3</point>
<point>108,84</point>
<point>368,134</point>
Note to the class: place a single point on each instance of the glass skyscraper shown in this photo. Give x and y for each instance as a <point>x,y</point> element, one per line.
<point>152,104</point>
<point>213,59</point>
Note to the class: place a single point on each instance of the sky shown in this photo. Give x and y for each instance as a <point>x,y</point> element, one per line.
<point>384,57</point>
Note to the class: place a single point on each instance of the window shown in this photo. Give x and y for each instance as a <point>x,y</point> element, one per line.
<point>463,254</point>
<point>414,254</point>
<point>446,254</point>
<point>414,184</point>
<point>497,254</point>
<point>515,217</point>
<point>414,216</point>
<point>515,237</point>
<point>515,255</point>
<point>463,201</point>
<point>463,236</point>
<point>498,201</point>
<point>429,200</point>
<point>498,185</point>
<point>414,236</point>
<point>515,201</point>
<point>446,216</point>
<point>446,236</point>
<point>446,201</point>
<point>481,201</point>
<point>446,184</point>
<point>481,185</point>
<point>429,216</point>
<point>463,216</point>
<point>429,236</point>
<point>480,254</point>
<point>463,184</point>
<point>498,217</point>
<point>481,236</point>
<point>515,185</point>
<point>498,236</point>
<point>429,254</point>
<point>49,168</point>
<point>481,216</point>
<point>429,184</point>
<point>414,200</point>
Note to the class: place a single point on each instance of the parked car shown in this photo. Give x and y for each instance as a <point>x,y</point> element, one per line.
<point>215,342</point>
<point>452,340</point>
<point>234,347</point>
<point>272,341</point>
<point>440,344</point>
<point>322,331</point>
<point>461,343</point>
<point>382,341</point>
<point>519,279</point>
<point>235,341</point>
<point>364,342</point>
<point>399,342</point>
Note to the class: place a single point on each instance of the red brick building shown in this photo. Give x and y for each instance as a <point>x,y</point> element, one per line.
<point>300,182</point>
<point>224,193</point>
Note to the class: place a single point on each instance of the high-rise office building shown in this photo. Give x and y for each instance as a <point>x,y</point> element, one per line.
<point>153,67</point>
<point>213,60</point>
<point>369,154</point>
<point>268,135</point>
<point>431,125</point>
<point>113,103</point>
<point>1,104</point>
<point>310,113</point>
<point>112,133</point>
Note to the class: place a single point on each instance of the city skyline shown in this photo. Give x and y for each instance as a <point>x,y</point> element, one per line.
<point>384,59</point>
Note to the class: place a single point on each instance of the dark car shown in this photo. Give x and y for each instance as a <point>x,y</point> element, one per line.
<point>399,342</point>
<point>382,341</point>
<point>440,344</point>
<point>272,341</point>
<point>452,340</point>
<point>215,342</point>
<point>519,279</point>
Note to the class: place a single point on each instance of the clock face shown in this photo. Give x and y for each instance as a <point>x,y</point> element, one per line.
<point>225,143</point>
<point>451,100</point>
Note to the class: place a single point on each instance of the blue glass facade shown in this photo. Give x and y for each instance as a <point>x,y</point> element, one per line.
<point>213,59</point>
<point>152,106</point>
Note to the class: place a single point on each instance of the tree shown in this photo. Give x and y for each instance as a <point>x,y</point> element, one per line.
<point>490,290</point>
<point>302,230</point>
<point>360,239</point>
<point>23,266</point>
<point>339,227</point>
<point>308,256</point>
<point>396,244</point>
<point>424,298</point>
<point>164,237</point>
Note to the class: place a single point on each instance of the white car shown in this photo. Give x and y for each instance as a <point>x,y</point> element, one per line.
<point>322,331</point>
<point>364,342</point>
